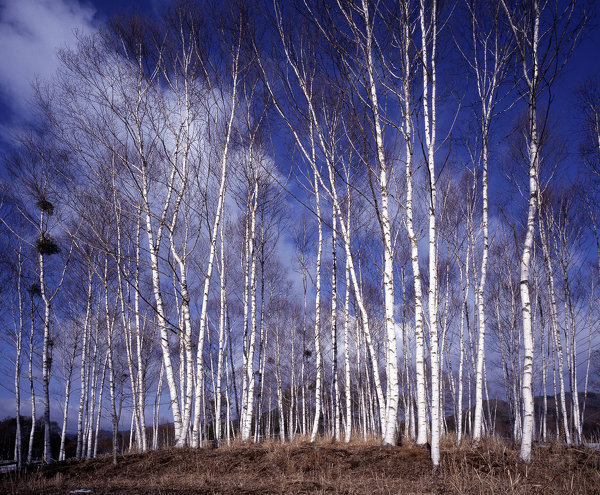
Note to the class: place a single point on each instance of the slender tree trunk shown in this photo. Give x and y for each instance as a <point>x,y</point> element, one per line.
<point>84,369</point>
<point>249,377</point>
<point>18,345</point>
<point>213,247</point>
<point>533,151</point>
<point>334,342</point>
<point>156,414</point>
<point>63,433</point>
<point>554,321</point>
<point>429,117</point>
<point>99,405</point>
<point>348,384</point>
<point>111,366</point>
<point>162,322</point>
<point>279,384</point>
<point>413,239</point>
<point>544,419</point>
<point>221,349</point>
<point>477,426</point>
<point>527,384</point>
<point>318,357</point>
<point>391,404</point>
<point>93,379</point>
<point>46,360</point>
<point>31,382</point>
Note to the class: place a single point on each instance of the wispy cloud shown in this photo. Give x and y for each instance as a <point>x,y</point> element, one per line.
<point>31,32</point>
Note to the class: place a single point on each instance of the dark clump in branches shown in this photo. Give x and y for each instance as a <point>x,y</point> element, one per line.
<point>46,245</point>
<point>34,290</point>
<point>45,205</point>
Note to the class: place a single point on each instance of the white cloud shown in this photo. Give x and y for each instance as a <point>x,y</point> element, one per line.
<point>31,32</point>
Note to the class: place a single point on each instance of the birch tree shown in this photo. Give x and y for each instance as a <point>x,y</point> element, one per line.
<point>545,35</point>
<point>232,49</point>
<point>429,33</point>
<point>406,67</point>
<point>365,40</point>
<point>491,49</point>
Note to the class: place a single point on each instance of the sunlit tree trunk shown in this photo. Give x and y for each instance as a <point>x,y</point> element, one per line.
<point>248,383</point>
<point>84,365</point>
<point>279,381</point>
<point>141,376</point>
<point>221,348</point>
<point>543,53</point>
<point>18,348</point>
<point>317,327</point>
<point>69,374</point>
<point>347,381</point>
<point>32,291</point>
<point>557,341</point>
<point>156,409</point>
<point>102,374</point>
<point>93,384</point>
<point>110,326</point>
<point>429,118</point>
<point>47,347</point>
<point>391,404</point>
<point>213,244</point>
<point>334,337</point>
<point>491,55</point>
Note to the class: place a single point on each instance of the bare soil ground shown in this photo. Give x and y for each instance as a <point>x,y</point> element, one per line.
<point>324,467</point>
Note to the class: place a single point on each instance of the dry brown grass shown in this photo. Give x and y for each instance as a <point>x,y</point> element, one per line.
<point>323,467</point>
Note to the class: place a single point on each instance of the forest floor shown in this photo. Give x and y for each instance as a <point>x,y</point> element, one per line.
<point>323,467</point>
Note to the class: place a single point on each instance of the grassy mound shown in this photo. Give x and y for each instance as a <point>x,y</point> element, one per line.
<point>324,467</point>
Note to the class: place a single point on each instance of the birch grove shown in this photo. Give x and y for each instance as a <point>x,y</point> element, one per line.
<point>315,219</point>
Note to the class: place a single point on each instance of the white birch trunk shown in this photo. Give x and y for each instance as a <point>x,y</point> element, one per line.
<point>527,385</point>
<point>111,364</point>
<point>18,346</point>
<point>46,360</point>
<point>93,378</point>
<point>63,433</point>
<point>213,247</point>
<point>491,55</point>
<point>84,367</point>
<point>558,348</point>
<point>334,370</point>
<point>162,322</point>
<point>31,382</point>
<point>391,404</point>
<point>318,383</point>
<point>99,405</point>
<point>348,384</point>
<point>249,378</point>
<point>477,424</point>
<point>407,129</point>
<point>429,117</point>
<point>141,382</point>
<point>279,385</point>
<point>156,412</point>
<point>221,344</point>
